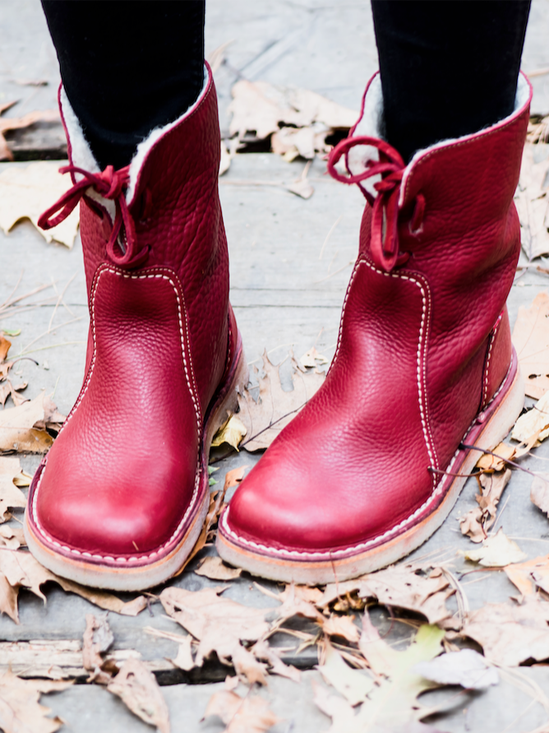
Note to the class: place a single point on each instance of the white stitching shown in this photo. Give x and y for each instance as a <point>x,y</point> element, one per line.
<point>330,554</point>
<point>194,397</point>
<point>489,356</point>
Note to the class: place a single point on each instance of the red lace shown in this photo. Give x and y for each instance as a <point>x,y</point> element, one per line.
<point>390,166</point>
<point>111,184</point>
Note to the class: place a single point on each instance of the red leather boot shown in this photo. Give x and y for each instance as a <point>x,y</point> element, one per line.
<point>120,499</point>
<point>424,365</point>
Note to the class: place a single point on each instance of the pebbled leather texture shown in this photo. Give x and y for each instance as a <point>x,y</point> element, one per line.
<point>124,477</point>
<point>423,345</point>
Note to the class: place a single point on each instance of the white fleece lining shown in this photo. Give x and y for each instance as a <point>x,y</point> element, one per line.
<point>82,156</point>
<point>371,125</point>
<point>144,148</point>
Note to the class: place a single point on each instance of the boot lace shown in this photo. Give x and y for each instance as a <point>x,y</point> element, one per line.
<point>385,211</point>
<point>111,184</point>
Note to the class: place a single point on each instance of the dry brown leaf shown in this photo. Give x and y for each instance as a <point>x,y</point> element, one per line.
<point>496,552</point>
<point>215,569</point>
<point>19,123</point>
<point>231,433</point>
<point>528,575</point>
<point>275,408</point>
<point>247,666</point>
<point>5,346</point>
<point>533,426</point>
<point>8,389</point>
<point>263,108</point>
<point>10,496</point>
<point>20,709</point>
<point>511,634</point>
<point>21,569</point>
<point>97,639</point>
<point>12,537</point>
<point>341,626</point>
<point>399,586</point>
<point>375,651</point>
<point>184,658</point>
<point>478,521</point>
<point>531,200</point>
<point>539,493</point>
<point>17,431</point>
<point>352,684</point>
<point>26,192</point>
<point>489,462</point>
<point>139,691</point>
<point>294,603</point>
<point>531,341</point>
<point>241,715</point>
<point>261,650</point>
<point>8,599</point>
<point>218,623</point>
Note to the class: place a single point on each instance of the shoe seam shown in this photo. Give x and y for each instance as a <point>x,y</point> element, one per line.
<point>184,335</point>
<point>488,358</point>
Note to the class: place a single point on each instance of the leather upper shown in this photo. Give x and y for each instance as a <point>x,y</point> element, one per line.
<point>423,345</point>
<point>124,475</point>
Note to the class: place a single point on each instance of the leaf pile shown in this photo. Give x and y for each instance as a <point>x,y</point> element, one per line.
<point>297,120</point>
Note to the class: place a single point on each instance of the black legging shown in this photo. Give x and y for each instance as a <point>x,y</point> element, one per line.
<point>447,68</point>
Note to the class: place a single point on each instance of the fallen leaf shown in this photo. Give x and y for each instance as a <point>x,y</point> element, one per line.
<point>218,623</point>
<point>5,346</point>
<point>476,522</point>
<point>302,187</point>
<point>17,431</point>
<point>312,359</point>
<point>496,552</point>
<point>533,422</point>
<point>393,702</point>
<point>511,634</point>
<point>231,433</point>
<point>241,715</point>
<point>12,537</point>
<point>20,708</point>
<point>139,691</point>
<point>336,708</point>
<point>531,341</point>
<point>294,603</point>
<point>539,493</point>
<point>21,569</point>
<point>353,684</point>
<point>215,569</point>
<point>184,658</point>
<point>8,599</point>
<point>466,668</point>
<point>275,408</point>
<point>26,192</point>
<point>247,666</point>
<point>399,586</point>
<point>531,201</point>
<point>10,496</point>
<point>8,389</point>
<point>341,626</point>
<point>375,651</point>
<point>489,462</point>
<point>261,650</point>
<point>97,639</point>
<point>529,575</point>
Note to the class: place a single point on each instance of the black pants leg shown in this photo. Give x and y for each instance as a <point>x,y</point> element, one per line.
<point>447,68</point>
<point>127,67</point>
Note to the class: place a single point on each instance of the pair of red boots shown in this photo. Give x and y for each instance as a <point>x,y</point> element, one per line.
<point>373,464</point>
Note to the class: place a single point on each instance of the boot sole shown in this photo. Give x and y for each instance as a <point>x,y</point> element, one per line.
<point>489,428</point>
<point>140,577</point>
